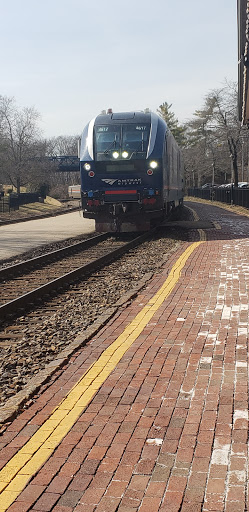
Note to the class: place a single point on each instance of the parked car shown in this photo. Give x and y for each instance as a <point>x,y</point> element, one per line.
<point>209,185</point>
<point>243,184</point>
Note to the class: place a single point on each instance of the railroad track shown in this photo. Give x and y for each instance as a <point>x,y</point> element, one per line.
<point>25,283</point>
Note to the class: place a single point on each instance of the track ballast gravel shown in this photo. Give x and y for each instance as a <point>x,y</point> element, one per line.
<point>33,341</point>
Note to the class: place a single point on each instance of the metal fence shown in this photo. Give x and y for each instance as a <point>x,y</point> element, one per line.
<point>4,204</point>
<point>13,201</point>
<point>233,195</point>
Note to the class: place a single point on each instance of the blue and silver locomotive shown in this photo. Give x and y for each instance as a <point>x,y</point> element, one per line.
<point>131,171</point>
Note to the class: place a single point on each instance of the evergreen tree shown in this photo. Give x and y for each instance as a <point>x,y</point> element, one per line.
<point>169,117</point>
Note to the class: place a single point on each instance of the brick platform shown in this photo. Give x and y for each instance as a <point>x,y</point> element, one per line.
<point>167,430</point>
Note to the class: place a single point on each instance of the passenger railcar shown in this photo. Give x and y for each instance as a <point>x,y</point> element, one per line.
<point>74,191</point>
<point>131,171</point>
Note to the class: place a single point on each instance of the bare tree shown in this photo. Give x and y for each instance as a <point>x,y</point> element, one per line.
<point>19,135</point>
<point>63,145</point>
<point>214,134</point>
<point>59,181</point>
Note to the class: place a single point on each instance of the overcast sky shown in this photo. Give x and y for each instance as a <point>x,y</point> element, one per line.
<point>70,59</point>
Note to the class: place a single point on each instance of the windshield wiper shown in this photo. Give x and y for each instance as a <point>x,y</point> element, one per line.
<point>140,145</point>
<point>110,147</point>
<point>113,144</point>
<point>139,148</point>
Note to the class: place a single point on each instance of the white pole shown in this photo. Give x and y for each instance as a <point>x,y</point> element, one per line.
<point>242,161</point>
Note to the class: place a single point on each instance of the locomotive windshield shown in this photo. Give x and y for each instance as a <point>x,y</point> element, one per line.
<point>107,138</point>
<point>119,142</point>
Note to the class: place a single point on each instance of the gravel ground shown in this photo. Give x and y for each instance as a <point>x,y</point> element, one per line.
<point>34,340</point>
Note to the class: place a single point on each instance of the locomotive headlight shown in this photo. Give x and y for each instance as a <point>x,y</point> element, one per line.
<point>115,155</point>
<point>153,164</point>
<point>125,154</point>
<point>87,167</point>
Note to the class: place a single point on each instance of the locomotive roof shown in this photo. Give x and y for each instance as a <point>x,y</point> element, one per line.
<point>124,117</point>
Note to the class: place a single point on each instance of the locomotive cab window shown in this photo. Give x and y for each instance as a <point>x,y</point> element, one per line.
<point>107,138</point>
<point>121,142</point>
<point>135,137</point>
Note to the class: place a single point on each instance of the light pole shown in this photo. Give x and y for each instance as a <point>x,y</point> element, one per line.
<point>248,165</point>
<point>212,174</point>
<point>212,188</point>
<point>242,160</point>
<point>231,169</point>
<point>231,179</point>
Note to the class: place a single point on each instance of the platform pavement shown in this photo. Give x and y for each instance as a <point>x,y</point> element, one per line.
<point>166,428</point>
<point>18,238</point>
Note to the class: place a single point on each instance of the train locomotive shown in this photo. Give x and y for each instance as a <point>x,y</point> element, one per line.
<point>131,171</point>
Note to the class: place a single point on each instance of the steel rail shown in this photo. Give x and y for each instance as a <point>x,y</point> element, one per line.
<point>25,266</point>
<point>27,300</point>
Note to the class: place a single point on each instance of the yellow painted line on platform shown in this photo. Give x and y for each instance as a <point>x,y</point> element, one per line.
<point>195,215</point>
<point>238,210</point>
<point>202,235</point>
<point>21,468</point>
<point>201,232</point>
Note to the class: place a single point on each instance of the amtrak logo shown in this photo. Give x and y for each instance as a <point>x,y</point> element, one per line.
<point>122,182</point>
<point>110,182</point>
